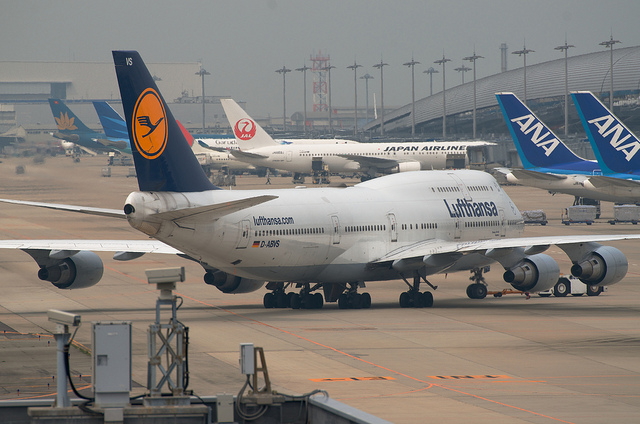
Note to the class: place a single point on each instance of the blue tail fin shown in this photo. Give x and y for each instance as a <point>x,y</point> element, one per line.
<point>66,120</point>
<point>113,124</point>
<point>537,145</point>
<point>614,145</point>
<point>164,161</point>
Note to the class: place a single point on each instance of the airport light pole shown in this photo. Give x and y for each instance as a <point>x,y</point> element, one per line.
<point>412,65</point>
<point>442,62</point>
<point>462,69</point>
<point>524,52</point>
<point>328,69</point>
<point>355,67</point>
<point>304,70</point>
<point>565,48</point>
<point>430,71</point>
<point>380,66</point>
<point>473,59</point>
<point>609,43</point>
<point>284,71</point>
<point>366,78</point>
<point>202,73</point>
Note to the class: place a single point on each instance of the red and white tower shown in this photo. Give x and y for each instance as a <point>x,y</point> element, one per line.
<point>320,63</point>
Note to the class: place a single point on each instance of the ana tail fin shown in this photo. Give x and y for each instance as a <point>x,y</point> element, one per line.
<point>66,120</point>
<point>163,159</point>
<point>616,147</point>
<point>249,134</point>
<point>537,145</point>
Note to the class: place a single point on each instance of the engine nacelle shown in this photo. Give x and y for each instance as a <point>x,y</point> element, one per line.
<point>407,166</point>
<point>84,269</point>
<point>231,283</point>
<point>604,266</point>
<point>534,274</point>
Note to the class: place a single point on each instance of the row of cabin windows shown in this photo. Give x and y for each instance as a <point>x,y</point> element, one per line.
<point>357,228</point>
<point>423,226</point>
<point>480,188</point>
<point>289,232</point>
<point>364,154</point>
<point>481,224</point>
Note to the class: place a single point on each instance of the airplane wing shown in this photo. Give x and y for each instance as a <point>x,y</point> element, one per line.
<point>537,244</point>
<point>526,174</point>
<point>114,144</point>
<point>240,155</point>
<point>601,181</point>
<point>134,246</point>
<point>215,149</point>
<point>111,213</point>
<point>371,161</point>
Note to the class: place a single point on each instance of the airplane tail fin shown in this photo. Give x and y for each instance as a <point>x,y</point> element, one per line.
<point>249,134</point>
<point>616,147</point>
<point>66,120</point>
<point>112,123</point>
<point>537,145</point>
<point>163,159</point>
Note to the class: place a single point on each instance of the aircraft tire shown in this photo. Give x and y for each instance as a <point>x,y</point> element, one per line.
<point>269,300</point>
<point>427,299</point>
<point>594,290</point>
<point>418,300</point>
<point>366,300</point>
<point>295,301</point>
<point>343,301</point>
<point>477,291</point>
<point>405,299</point>
<point>317,301</point>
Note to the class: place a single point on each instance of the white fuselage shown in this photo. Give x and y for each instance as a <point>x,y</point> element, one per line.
<point>359,157</point>
<point>331,234</point>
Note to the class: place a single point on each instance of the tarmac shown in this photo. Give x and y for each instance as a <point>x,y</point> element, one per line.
<point>498,360</point>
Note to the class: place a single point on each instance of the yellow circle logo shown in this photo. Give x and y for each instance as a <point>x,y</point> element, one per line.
<point>150,124</point>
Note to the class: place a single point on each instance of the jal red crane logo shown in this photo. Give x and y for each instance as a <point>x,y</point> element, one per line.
<point>245,129</point>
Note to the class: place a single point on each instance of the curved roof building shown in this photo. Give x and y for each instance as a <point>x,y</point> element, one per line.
<point>545,95</point>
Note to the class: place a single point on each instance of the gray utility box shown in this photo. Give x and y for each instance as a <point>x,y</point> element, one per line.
<point>111,342</point>
<point>579,214</point>
<point>626,213</point>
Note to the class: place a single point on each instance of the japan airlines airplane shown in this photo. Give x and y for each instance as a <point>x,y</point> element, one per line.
<point>550,165</point>
<point>408,225</point>
<point>258,148</point>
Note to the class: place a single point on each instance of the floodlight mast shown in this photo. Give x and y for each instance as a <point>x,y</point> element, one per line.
<point>565,48</point>
<point>412,65</point>
<point>442,62</point>
<point>473,59</point>
<point>366,78</point>
<point>430,71</point>
<point>524,52</point>
<point>610,43</point>
<point>380,66</point>
<point>304,70</point>
<point>284,71</point>
<point>355,67</point>
<point>328,69</point>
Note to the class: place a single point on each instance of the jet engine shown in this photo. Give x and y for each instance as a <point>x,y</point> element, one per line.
<point>534,274</point>
<point>407,166</point>
<point>604,266</point>
<point>231,283</point>
<point>81,270</point>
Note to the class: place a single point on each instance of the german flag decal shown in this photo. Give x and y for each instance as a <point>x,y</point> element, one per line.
<point>256,244</point>
<point>149,124</point>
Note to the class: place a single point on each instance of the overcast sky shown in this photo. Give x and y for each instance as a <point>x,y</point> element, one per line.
<point>243,42</point>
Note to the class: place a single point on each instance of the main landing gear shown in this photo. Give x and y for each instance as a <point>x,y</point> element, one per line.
<point>477,290</point>
<point>278,298</point>
<point>413,298</point>
<point>351,299</point>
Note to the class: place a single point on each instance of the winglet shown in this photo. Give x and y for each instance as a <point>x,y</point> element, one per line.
<point>617,149</point>
<point>249,134</point>
<point>163,158</point>
<point>537,145</point>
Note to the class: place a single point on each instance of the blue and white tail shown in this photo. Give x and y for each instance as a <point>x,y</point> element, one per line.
<point>163,158</point>
<point>616,148</point>
<point>112,123</point>
<point>537,145</point>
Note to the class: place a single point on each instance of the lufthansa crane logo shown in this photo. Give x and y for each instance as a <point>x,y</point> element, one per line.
<point>245,129</point>
<point>149,124</point>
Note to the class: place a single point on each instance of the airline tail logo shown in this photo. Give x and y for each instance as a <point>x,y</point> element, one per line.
<point>245,129</point>
<point>65,123</point>
<point>150,124</point>
<point>529,124</point>
<point>608,126</point>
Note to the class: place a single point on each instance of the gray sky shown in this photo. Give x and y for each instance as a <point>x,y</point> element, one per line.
<point>243,42</point>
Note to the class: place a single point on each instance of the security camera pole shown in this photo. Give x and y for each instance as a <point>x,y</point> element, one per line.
<point>62,336</point>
